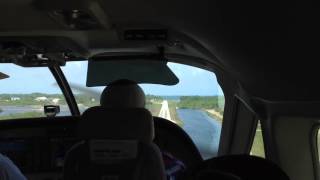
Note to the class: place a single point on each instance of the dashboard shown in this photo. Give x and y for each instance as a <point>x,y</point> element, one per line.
<point>38,146</point>
<point>37,154</point>
<point>38,149</point>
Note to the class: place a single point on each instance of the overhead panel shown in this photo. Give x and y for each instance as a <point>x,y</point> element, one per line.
<point>76,14</point>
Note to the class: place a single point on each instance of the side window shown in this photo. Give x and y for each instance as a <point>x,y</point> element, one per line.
<point>24,93</point>
<point>257,148</point>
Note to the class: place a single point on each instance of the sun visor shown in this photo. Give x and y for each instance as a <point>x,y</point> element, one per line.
<point>102,73</point>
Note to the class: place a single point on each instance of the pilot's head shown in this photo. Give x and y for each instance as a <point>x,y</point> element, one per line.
<point>123,94</point>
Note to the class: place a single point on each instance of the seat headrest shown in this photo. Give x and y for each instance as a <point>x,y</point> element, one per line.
<point>117,124</point>
<point>123,94</point>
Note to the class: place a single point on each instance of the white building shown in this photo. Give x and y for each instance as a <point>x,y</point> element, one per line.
<point>41,98</point>
<point>55,100</point>
<point>15,98</point>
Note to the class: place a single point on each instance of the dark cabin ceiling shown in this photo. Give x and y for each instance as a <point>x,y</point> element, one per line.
<point>270,47</point>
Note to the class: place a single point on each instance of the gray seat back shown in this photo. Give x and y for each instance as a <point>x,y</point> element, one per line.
<point>116,144</point>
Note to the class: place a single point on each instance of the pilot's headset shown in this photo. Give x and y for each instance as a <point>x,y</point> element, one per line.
<point>123,93</point>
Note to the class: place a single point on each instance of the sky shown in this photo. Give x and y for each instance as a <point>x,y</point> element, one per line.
<point>192,80</point>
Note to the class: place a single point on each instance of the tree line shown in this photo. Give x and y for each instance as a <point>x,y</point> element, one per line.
<point>201,102</point>
<point>85,99</point>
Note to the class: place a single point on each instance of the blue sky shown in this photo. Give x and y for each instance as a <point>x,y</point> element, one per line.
<point>193,81</point>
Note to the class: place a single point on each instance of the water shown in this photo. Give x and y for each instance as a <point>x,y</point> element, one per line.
<point>203,130</point>
<point>7,110</point>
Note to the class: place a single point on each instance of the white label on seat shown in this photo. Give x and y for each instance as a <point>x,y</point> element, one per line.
<point>105,151</point>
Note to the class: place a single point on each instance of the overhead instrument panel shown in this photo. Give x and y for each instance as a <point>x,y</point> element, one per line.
<point>75,15</point>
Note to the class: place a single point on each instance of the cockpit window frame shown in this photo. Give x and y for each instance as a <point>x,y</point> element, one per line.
<point>66,90</point>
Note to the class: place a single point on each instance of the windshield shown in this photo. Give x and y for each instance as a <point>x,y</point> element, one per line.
<point>196,103</point>
<point>27,90</point>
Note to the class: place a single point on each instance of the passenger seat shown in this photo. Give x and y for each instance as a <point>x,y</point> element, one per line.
<point>237,167</point>
<point>117,145</point>
<point>168,136</point>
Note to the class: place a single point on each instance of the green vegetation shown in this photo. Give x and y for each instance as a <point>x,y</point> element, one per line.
<point>153,98</point>
<point>173,112</point>
<point>22,115</point>
<point>258,145</point>
<point>86,100</point>
<point>89,101</point>
<point>30,99</point>
<point>154,108</point>
<point>201,102</point>
<point>33,99</point>
<point>153,103</point>
<point>212,105</point>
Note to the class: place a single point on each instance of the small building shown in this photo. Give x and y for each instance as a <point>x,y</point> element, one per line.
<point>15,98</point>
<point>43,98</point>
<point>55,100</point>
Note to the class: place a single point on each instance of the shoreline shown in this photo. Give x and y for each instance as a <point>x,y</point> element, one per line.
<point>215,114</point>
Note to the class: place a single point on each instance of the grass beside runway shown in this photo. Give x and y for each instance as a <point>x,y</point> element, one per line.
<point>154,108</point>
<point>258,146</point>
<point>173,113</point>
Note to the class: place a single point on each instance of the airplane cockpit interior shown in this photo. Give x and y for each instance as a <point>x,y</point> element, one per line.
<point>159,90</point>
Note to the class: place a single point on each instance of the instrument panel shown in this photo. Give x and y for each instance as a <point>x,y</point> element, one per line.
<point>39,152</point>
